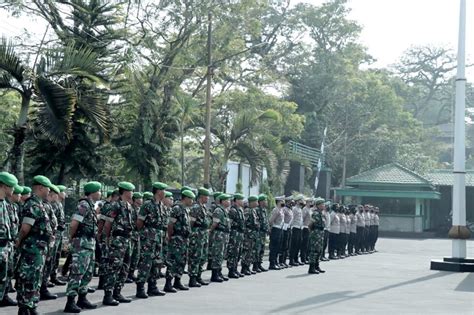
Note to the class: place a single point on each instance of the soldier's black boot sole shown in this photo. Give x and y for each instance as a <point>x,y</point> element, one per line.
<point>71,306</point>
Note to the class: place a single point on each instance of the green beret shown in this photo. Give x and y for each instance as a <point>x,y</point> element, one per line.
<point>262,197</point>
<point>62,188</point>
<point>253,198</point>
<point>224,197</point>
<point>319,201</point>
<point>109,193</point>
<point>17,189</point>
<point>160,185</point>
<point>92,187</point>
<point>26,191</point>
<point>8,179</point>
<point>137,195</point>
<point>203,191</point>
<point>188,193</point>
<point>216,194</point>
<point>54,188</point>
<point>147,195</point>
<point>239,197</point>
<point>168,194</point>
<point>126,186</point>
<point>42,180</point>
<point>186,188</point>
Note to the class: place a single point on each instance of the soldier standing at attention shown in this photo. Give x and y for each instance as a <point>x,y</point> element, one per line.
<point>7,183</point>
<point>168,204</point>
<point>200,224</point>
<point>334,230</point>
<point>137,199</point>
<point>82,233</point>
<point>286,238</point>
<point>178,241</point>
<point>307,211</point>
<point>252,229</point>
<point>376,227</point>
<point>316,238</point>
<point>262,239</point>
<point>367,229</point>
<point>360,229</point>
<point>214,204</point>
<point>150,223</point>
<point>296,226</point>
<point>220,230</point>
<point>61,217</point>
<point>236,238</point>
<point>276,221</point>
<point>327,224</point>
<point>33,240</point>
<point>118,228</point>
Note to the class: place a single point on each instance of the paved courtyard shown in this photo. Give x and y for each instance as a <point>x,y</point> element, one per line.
<point>396,280</point>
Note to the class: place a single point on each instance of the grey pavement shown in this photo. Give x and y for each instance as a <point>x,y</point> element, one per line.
<point>395,280</point>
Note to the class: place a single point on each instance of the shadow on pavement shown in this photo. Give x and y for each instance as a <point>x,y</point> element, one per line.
<point>342,296</point>
<point>467,285</point>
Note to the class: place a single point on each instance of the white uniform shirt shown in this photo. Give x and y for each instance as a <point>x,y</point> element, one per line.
<point>297,218</point>
<point>335,226</point>
<point>376,220</point>
<point>353,219</point>
<point>360,219</point>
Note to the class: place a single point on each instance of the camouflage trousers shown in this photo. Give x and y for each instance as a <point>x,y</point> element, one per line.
<point>81,271</point>
<point>316,240</point>
<point>205,249</point>
<point>234,249</point>
<point>5,253</point>
<point>218,250</point>
<point>249,248</point>
<point>12,262</point>
<point>50,258</point>
<point>150,260</point>
<point>104,258</point>
<point>262,240</point>
<point>59,249</point>
<point>119,263</point>
<point>29,275</point>
<point>177,255</point>
<point>135,254</point>
<point>196,253</point>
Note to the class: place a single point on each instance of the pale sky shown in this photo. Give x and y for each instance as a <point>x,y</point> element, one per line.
<point>389,26</point>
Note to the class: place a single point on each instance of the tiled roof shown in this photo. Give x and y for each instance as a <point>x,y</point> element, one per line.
<point>389,174</point>
<point>446,177</point>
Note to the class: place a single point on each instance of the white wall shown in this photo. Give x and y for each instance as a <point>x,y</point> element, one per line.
<point>246,175</point>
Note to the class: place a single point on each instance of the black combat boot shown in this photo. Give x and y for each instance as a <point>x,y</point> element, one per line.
<point>202,282</point>
<point>312,269</point>
<point>273,266</point>
<point>23,310</point>
<point>108,299</point>
<point>141,291</point>
<point>255,268</point>
<point>7,301</point>
<point>119,297</point>
<point>221,275</point>
<point>153,289</point>
<point>84,303</point>
<point>241,275</point>
<point>33,311</point>
<point>169,286</point>
<point>178,285</point>
<point>260,267</point>
<point>193,283</point>
<point>246,270</point>
<point>319,269</point>
<point>56,281</point>
<point>233,274</point>
<point>71,306</point>
<point>45,294</point>
<point>215,276</point>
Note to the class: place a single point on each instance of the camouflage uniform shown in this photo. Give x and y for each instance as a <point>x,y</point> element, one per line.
<point>33,252</point>
<point>250,237</point>
<point>61,218</point>
<point>82,249</point>
<point>151,240</point>
<point>51,252</point>
<point>316,238</point>
<point>120,216</point>
<point>134,242</point>
<point>104,247</point>
<point>5,247</point>
<point>199,238</point>
<point>164,248</point>
<point>12,210</point>
<point>220,237</point>
<point>236,238</point>
<point>178,244</point>
<point>262,235</point>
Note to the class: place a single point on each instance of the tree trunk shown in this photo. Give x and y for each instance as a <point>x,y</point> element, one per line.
<point>182,155</point>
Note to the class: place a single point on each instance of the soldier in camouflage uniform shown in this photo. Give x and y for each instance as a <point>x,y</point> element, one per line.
<point>7,184</point>
<point>82,231</point>
<point>262,237</point>
<point>150,225</point>
<point>135,240</point>
<point>236,238</point>
<point>118,228</point>
<point>220,230</point>
<point>33,241</point>
<point>316,237</point>
<point>214,204</point>
<point>51,252</point>
<point>178,240</point>
<point>61,217</point>
<point>200,224</point>
<point>252,229</point>
<point>112,197</point>
<point>168,204</point>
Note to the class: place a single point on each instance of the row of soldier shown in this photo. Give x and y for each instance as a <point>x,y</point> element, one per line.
<point>147,232</point>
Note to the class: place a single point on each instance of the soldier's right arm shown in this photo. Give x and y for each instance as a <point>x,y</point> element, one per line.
<point>142,214</point>
<point>30,214</point>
